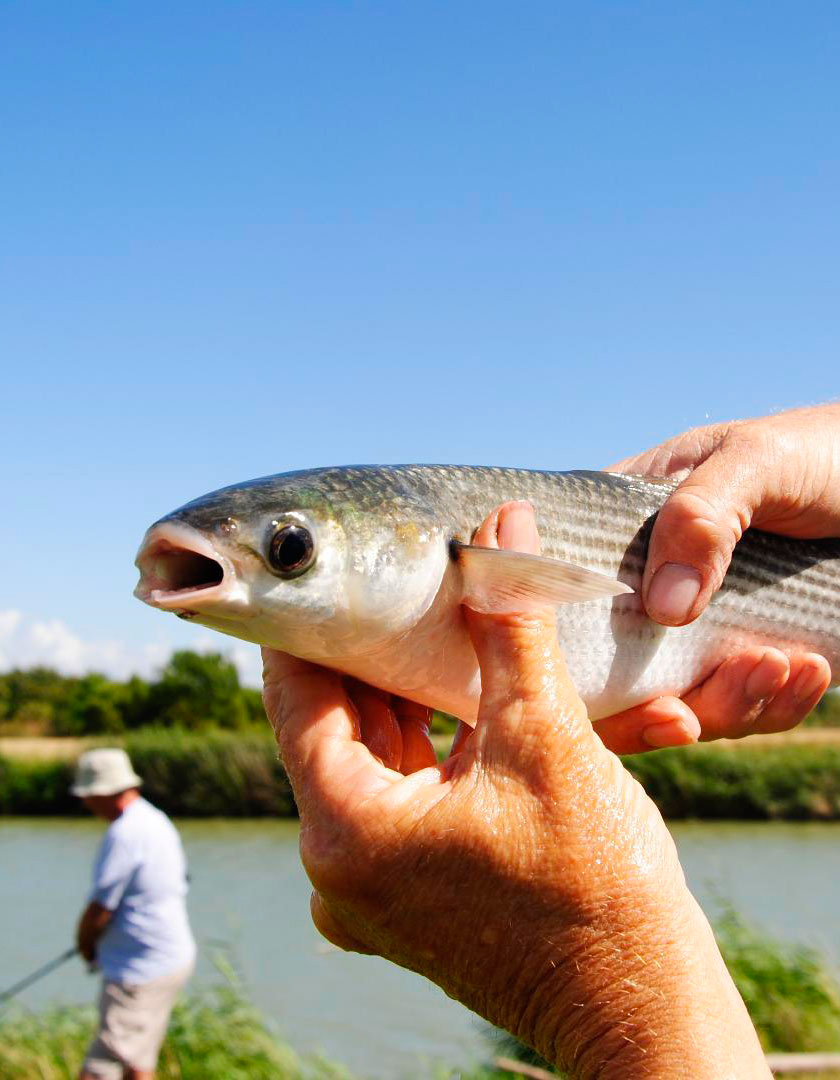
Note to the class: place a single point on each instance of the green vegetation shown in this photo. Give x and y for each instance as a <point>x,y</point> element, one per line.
<point>187,774</point>
<point>794,782</point>
<point>214,1034</point>
<point>194,691</point>
<point>792,996</point>
<point>230,774</point>
<point>827,712</point>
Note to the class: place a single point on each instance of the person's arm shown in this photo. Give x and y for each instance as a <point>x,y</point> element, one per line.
<point>92,925</point>
<point>529,875</point>
<point>115,863</point>
<point>779,473</point>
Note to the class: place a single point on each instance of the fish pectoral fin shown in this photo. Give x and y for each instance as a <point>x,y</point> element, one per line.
<point>498,581</point>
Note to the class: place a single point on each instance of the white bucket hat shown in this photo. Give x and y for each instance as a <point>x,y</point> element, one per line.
<point>104,772</point>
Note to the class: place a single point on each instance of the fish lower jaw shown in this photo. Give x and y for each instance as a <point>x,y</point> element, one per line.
<point>188,603</point>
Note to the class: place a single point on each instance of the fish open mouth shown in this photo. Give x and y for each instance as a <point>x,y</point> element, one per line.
<point>179,569</point>
<point>176,570</point>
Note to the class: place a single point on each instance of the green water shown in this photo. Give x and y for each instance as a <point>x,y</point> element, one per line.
<point>249,893</point>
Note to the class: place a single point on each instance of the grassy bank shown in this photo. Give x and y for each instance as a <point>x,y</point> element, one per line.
<point>794,782</point>
<point>215,774</point>
<point>215,1034</point>
<point>792,997</point>
<point>227,774</point>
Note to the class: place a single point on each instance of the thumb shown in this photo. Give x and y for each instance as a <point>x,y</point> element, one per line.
<point>523,672</point>
<point>695,534</point>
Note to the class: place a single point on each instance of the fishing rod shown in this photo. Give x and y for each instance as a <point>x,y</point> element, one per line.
<point>39,974</point>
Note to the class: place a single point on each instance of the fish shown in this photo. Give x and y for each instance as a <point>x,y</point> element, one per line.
<point>367,570</point>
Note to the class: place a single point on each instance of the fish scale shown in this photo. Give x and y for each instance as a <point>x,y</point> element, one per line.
<point>401,627</point>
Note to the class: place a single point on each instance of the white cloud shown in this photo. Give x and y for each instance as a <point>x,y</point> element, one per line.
<point>8,623</point>
<point>27,642</point>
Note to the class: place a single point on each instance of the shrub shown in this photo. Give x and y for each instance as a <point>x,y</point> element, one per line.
<point>36,787</point>
<point>792,996</point>
<point>219,774</point>
<point>792,782</point>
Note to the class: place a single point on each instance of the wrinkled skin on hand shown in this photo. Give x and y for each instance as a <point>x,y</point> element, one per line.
<point>778,473</point>
<point>528,875</point>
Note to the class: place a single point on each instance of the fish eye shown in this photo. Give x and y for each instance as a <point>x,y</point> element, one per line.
<point>291,551</point>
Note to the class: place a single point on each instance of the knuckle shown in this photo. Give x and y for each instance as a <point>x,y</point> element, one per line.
<point>339,856</point>
<point>711,520</point>
<point>700,528</point>
<point>324,854</point>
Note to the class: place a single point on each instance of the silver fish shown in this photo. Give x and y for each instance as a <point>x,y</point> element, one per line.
<point>365,570</point>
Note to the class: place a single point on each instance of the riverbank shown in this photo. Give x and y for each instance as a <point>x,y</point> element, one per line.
<point>795,777</point>
<point>212,774</point>
<point>792,997</point>
<point>214,1035</point>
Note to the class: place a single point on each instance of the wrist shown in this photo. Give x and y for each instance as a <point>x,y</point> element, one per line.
<point>640,992</point>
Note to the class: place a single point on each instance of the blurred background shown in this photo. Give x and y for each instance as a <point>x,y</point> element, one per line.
<point>238,239</point>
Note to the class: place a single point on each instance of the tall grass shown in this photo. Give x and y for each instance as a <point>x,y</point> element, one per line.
<point>213,774</point>
<point>791,994</point>
<point>792,783</point>
<point>36,787</point>
<point>214,1034</point>
<point>233,774</point>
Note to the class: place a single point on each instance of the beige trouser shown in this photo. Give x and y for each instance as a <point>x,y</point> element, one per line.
<point>132,1025</point>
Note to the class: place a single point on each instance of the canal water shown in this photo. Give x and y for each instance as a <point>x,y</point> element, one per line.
<point>250,898</point>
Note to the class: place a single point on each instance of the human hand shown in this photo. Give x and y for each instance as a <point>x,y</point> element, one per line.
<point>529,875</point>
<point>777,473</point>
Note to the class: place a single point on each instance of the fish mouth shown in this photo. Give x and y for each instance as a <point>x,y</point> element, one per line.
<point>181,571</point>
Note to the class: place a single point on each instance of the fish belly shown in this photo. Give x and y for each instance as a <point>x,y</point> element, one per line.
<point>617,657</point>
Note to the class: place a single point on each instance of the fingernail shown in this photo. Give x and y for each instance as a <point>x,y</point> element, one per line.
<point>808,682</point>
<point>672,592</point>
<point>518,529</point>
<point>671,733</point>
<point>764,680</point>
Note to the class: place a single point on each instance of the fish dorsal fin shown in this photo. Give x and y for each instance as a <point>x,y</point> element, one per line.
<point>498,581</point>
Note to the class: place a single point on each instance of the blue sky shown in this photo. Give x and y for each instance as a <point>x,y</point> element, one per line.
<point>238,239</point>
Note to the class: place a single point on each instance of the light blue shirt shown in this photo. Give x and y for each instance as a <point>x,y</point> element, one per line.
<point>140,874</point>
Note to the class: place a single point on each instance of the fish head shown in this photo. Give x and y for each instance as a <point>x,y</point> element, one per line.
<point>323,564</point>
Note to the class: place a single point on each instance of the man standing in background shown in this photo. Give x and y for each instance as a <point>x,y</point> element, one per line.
<point>135,926</point>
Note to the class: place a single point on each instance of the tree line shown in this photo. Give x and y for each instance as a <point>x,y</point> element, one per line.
<point>194,691</point>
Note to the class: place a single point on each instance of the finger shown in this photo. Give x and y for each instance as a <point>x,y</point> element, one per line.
<point>727,708</point>
<point>463,734</point>
<point>328,926</point>
<point>518,525</point>
<point>695,534</point>
<point>664,721</point>
<point>316,729</point>
<point>729,702</point>
<point>523,674</point>
<point>379,729</point>
<point>417,749</point>
<point>677,455</point>
<point>810,676</point>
